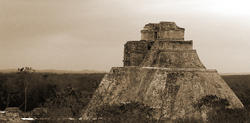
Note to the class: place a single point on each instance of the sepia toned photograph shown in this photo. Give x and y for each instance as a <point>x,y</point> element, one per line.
<point>124,61</point>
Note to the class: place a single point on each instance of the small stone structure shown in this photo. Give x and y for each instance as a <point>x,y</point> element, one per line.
<point>162,31</point>
<point>15,115</point>
<point>162,71</point>
<point>11,114</point>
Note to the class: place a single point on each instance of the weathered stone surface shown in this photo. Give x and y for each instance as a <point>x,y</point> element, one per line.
<point>136,51</point>
<point>167,54</point>
<point>162,31</point>
<point>163,72</point>
<point>174,91</point>
<point>173,59</point>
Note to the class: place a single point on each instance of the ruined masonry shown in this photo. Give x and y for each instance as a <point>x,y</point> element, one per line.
<point>162,71</point>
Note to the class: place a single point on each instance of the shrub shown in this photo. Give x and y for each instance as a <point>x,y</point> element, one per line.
<point>219,111</point>
<point>66,103</point>
<point>129,112</point>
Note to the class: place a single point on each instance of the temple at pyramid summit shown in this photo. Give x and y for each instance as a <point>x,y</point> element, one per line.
<point>161,45</point>
<point>164,72</point>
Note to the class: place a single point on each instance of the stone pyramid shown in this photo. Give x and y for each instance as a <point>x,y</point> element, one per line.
<point>162,71</point>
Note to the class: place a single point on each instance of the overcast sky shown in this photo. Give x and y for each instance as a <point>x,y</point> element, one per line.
<point>90,34</point>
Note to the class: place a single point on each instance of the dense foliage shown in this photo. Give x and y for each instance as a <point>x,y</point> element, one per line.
<point>129,112</point>
<point>218,111</point>
<point>42,87</point>
<point>240,84</point>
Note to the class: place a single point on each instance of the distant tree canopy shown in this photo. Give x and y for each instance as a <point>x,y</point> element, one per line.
<point>240,84</point>
<point>42,86</point>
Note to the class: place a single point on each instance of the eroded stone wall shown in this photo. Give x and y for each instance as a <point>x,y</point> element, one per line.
<point>135,51</point>
<point>163,31</point>
<point>175,45</point>
<point>174,59</point>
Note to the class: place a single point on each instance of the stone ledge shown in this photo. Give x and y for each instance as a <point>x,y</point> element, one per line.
<point>176,41</point>
<point>166,69</point>
<point>177,50</point>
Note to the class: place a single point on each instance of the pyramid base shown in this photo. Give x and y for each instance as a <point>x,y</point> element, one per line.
<point>171,92</point>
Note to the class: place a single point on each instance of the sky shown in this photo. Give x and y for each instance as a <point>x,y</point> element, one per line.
<point>90,34</point>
